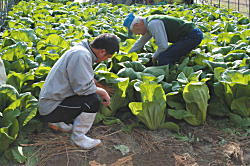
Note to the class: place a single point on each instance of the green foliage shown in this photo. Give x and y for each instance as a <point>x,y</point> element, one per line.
<point>191,105</point>
<point>16,111</point>
<point>196,96</point>
<point>39,32</point>
<point>151,109</point>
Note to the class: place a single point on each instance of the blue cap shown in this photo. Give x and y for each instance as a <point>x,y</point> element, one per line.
<point>128,21</point>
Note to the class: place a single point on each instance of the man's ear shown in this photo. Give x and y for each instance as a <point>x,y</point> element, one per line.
<point>141,22</point>
<point>103,52</point>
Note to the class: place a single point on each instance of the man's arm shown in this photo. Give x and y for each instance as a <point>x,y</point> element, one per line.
<point>140,42</point>
<point>157,29</point>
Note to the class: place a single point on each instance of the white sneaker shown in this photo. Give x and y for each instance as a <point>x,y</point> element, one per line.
<point>61,126</point>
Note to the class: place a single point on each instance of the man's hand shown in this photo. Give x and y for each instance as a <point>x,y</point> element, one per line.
<point>104,95</point>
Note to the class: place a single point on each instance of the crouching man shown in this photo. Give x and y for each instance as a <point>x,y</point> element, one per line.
<point>69,94</point>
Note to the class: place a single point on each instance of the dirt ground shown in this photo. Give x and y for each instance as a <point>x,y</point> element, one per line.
<point>206,145</point>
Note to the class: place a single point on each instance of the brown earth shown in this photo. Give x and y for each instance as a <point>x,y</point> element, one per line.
<point>206,145</point>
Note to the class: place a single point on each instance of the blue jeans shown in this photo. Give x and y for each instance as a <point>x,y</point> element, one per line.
<point>180,48</point>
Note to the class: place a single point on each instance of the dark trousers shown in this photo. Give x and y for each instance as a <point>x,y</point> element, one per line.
<point>180,48</point>
<point>71,107</point>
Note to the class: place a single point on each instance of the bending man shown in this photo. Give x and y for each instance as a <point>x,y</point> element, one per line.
<point>183,35</point>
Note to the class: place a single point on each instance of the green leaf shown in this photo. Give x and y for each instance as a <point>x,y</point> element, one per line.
<point>171,126</point>
<point>240,76</point>
<point>182,78</point>
<point>196,96</point>
<point>137,66</point>
<point>28,106</point>
<point>26,35</point>
<point>122,148</point>
<point>218,72</point>
<point>9,116</point>
<point>127,73</point>
<point>109,77</point>
<point>243,20</point>
<point>230,27</point>
<point>17,153</point>
<point>175,100</point>
<point>176,86</point>
<point>8,94</point>
<point>235,56</point>
<point>213,65</point>
<point>127,45</point>
<point>101,66</point>
<point>187,71</point>
<point>218,107</point>
<point>152,92</point>
<point>194,76</point>
<point>5,139</point>
<point>179,114</point>
<point>18,79</point>
<point>157,70</point>
<point>128,57</point>
<point>241,106</point>
<point>151,111</point>
<point>42,71</point>
<point>8,42</point>
<point>17,66</point>
<point>57,40</point>
<point>119,99</point>
<point>238,121</point>
<point>15,52</point>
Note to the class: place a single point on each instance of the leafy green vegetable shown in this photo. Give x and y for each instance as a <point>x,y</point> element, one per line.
<point>196,96</point>
<point>137,66</point>
<point>157,70</point>
<point>151,111</point>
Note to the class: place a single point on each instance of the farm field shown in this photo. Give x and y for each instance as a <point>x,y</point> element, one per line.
<point>195,112</point>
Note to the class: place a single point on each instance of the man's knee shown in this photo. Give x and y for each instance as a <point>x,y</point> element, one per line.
<point>96,103</point>
<point>93,104</point>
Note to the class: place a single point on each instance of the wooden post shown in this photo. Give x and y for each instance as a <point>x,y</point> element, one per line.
<point>238,5</point>
<point>1,4</point>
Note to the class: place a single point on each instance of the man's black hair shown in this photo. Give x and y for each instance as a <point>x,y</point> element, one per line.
<point>106,41</point>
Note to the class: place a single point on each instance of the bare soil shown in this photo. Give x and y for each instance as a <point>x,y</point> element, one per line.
<point>206,145</point>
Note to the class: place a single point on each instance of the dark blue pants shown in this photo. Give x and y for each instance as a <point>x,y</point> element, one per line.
<point>180,48</point>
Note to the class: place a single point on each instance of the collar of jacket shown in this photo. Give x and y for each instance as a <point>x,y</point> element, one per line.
<point>145,22</point>
<point>85,43</point>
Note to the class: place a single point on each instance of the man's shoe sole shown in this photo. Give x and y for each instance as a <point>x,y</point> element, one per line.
<point>58,129</point>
